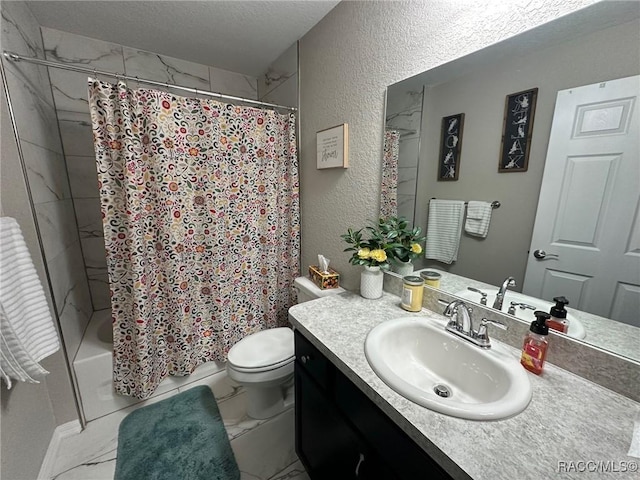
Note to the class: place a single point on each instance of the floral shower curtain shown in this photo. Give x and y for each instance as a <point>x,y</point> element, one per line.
<point>201,222</point>
<point>389,190</point>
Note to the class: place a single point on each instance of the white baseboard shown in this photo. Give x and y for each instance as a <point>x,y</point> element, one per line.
<point>62,431</point>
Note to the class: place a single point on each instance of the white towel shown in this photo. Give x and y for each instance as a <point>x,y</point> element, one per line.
<point>443,230</point>
<point>478,218</point>
<point>15,362</point>
<point>26,326</point>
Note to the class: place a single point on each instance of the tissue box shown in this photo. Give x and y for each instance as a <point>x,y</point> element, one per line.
<point>324,280</point>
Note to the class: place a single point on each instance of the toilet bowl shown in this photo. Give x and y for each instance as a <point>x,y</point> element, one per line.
<point>263,362</point>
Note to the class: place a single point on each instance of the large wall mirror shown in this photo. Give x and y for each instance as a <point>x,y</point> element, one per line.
<point>592,46</point>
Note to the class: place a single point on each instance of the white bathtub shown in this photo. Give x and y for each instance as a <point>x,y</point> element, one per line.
<point>93,367</point>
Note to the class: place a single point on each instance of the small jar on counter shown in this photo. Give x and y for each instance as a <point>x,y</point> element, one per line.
<point>431,278</point>
<point>412,290</point>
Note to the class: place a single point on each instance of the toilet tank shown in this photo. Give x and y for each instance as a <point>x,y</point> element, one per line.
<point>307,290</point>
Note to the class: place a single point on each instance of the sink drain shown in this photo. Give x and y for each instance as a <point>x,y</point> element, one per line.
<point>442,391</point>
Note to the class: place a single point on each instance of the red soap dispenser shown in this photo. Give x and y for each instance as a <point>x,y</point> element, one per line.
<point>558,320</point>
<point>534,349</point>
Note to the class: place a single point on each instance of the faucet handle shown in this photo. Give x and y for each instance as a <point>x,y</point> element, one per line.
<point>483,333</point>
<point>486,321</point>
<point>523,306</point>
<point>483,300</point>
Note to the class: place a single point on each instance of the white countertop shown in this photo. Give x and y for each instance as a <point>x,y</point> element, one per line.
<point>569,426</point>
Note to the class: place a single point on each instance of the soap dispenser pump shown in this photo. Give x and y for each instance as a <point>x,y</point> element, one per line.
<point>534,349</point>
<point>558,320</point>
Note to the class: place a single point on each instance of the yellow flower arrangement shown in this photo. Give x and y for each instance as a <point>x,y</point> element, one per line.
<point>389,239</point>
<point>371,252</point>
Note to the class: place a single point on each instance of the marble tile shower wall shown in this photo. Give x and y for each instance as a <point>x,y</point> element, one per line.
<point>279,84</point>
<point>70,96</point>
<point>39,137</point>
<point>404,112</point>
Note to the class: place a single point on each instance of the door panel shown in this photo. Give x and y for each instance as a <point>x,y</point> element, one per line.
<point>573,286</point>
<point>626,303</point>
<point>603,118</point>
<point>586,189</point>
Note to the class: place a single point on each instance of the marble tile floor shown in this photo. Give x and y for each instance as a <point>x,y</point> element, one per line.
<point>264,449</point>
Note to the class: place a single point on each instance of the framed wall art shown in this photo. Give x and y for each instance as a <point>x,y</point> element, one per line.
<point>450,147</point>
<point>519,111</point>
<point>333,147</point>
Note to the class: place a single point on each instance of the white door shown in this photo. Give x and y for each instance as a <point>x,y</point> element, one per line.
<point>589,208</point>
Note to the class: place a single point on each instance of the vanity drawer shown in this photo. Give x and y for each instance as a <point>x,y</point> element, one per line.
<point>311,360</point>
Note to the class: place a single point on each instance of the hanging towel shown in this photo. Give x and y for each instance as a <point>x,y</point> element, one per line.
<point>15,362</point>
<point>478,218</point>
<point>443,229</point>
<point>26,326</point>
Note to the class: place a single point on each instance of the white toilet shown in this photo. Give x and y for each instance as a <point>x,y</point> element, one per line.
<point>263,362</point>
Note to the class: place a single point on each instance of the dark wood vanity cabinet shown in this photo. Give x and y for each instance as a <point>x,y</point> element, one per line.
<point>342,434</point>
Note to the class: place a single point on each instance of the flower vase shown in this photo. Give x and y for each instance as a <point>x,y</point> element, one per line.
<point>403,268</point>
<point>371,280</point>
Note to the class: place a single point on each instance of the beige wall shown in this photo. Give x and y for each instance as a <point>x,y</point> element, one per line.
<point>585,60</point>
<point>347,61</point>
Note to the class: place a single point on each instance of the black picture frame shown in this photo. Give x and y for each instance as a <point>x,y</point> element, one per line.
<point>450,147</point>
<point>517,129</point>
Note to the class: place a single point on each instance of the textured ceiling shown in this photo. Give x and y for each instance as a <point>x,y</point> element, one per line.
<point>241,36</point>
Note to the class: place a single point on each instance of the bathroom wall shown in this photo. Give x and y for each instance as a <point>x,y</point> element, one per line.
<point>30,412</point>
<point>346,63</point>
<point>70,95</point>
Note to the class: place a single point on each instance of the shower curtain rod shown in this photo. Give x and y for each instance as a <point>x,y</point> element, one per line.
<point>14,57</point>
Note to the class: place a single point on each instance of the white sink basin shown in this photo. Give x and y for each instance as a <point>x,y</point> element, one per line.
<point>576,328</point>
<point>416,355</point>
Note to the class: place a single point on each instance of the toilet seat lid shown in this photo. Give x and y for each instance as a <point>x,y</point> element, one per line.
<point>267,348</point>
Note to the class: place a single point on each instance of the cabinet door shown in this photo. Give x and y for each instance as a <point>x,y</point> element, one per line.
<point>392,446</point>
<point>324,442</point>
<point>341,434</point>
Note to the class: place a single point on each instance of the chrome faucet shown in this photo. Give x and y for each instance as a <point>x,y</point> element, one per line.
<point>461,323</point>
<point>460,315</point>
<point>509,282</point>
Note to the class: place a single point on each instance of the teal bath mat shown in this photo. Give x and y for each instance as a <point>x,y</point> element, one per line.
<point>180,438</point>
